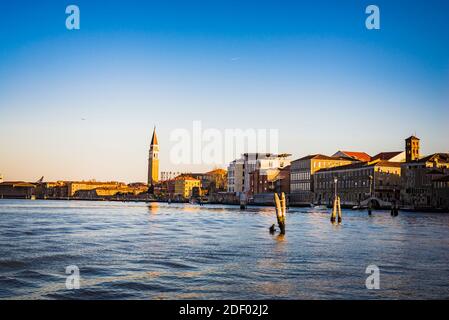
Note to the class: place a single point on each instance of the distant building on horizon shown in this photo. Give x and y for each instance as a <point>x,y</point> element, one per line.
<point>153,161</point>
<point>185,186</point>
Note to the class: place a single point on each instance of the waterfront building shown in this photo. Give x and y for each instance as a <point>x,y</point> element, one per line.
<point>236,176</point>
<point>184,186</point>
<point>87,189</point>
<point>73,187</point>
<point>441,193</point>
<point>253,161</point>
<point>378,180</point>
<point>302,171</point>
<point>360,156</point>
<point>153,161</point>
<point>58,189</point>
<point>212,181</point>
<point>418,176</point>
<point>282,180</point>
<point>215,181</point>
<point>17,190</point>
<point>264,182</point>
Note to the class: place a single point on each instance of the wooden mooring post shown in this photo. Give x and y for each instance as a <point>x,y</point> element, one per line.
<point>281,208</point>
<point>394,209</point>
<point>336,211</point>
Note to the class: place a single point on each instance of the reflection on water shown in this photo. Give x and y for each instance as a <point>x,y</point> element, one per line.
<point>153,207</point>
<point>184,251</point>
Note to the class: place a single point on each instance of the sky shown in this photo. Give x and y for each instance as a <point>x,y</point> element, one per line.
<point>82,104</point>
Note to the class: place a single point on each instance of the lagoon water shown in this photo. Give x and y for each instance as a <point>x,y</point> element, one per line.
<point>183,251</point>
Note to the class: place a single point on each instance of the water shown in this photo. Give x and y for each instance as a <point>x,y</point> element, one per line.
<point>176,251</point>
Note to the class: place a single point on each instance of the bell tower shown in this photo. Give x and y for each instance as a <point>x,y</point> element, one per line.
<point>411,149</point>
<point>153,161</point>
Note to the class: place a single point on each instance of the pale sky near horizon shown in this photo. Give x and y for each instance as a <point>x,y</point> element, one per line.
<point>82,104</point>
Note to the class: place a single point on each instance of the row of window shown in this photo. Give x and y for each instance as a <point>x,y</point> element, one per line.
<point>300,176</point>
<point>343,184</point>
<point>300,186</point>
<point>350,173</point>
<point>441,184</point>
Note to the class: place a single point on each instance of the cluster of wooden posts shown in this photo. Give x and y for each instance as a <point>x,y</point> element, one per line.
<point>336,210</point>
<point>336,216</point>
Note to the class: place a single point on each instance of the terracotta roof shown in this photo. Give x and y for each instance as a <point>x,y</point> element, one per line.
<point>386,155</point>
<point>217,171</point>
<point>362,156</point>
<point>323,157</point>
<point>185,178</point>
<point>412,137</point>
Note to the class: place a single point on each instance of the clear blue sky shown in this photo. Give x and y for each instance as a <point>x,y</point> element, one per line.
<point>309,68</point>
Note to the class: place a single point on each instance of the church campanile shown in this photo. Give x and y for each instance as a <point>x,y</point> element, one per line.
<point>153,161</point>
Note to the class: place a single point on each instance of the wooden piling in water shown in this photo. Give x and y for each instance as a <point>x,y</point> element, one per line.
<point>281,208</point>
<point>394,209</point>
<point>336,210</point>
<point>339,210</point>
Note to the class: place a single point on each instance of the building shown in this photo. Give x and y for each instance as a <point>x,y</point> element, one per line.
<point>441,193</point>
<point>282,181</point>
<point>215,181</point>
<point>17,190</point>
<point>236,176</point>
<point>1,178</point>
<point>211,182</point>
<point>184,186</point>
<point>52,190</point>
<point>262,181</point>
<point>153,161</point>
<point>411,149</point>
<point>360,156</point>
<point>253,161</point>
<point>302,171</point>
<point>356,182</point>
<point>418,176</point>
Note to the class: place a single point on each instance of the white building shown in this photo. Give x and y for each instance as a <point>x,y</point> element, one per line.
<point>236,176</point>
<point>239,170</point>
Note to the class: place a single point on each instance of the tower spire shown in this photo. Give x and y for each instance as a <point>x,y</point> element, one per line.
<point>154,138</point>
<point>153,160</point>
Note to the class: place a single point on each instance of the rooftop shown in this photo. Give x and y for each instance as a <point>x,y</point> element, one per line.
<point>358,165</point>
<point>323,157</point>
<point>362,156</point>
<point>435,157</point>
<point>386,155</point>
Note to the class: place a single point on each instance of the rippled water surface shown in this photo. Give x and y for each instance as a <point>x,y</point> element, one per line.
<point>175,251</point>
